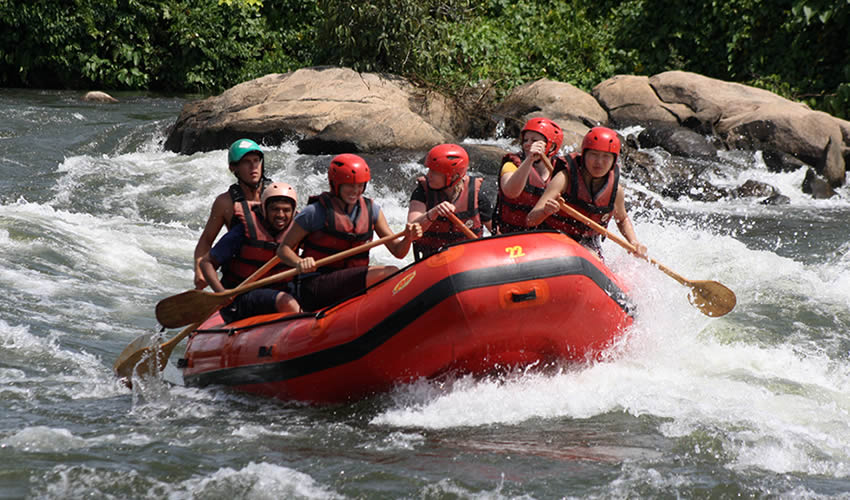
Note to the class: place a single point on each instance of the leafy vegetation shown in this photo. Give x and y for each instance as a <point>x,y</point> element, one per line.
<point>796,48</point>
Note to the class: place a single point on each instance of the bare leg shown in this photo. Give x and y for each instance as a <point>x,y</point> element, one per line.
<point>286,303</point>
<point>377,273</point>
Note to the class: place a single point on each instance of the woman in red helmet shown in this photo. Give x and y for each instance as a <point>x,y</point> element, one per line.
<point>335,221</point>
<point>446,188</point>
<point>524,177</point>
<point>590,183</point>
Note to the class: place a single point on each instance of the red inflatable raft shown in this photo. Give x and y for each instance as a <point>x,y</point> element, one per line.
<point>476,307</point>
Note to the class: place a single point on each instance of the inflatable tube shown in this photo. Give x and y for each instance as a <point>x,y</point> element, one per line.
<point>476,307</point>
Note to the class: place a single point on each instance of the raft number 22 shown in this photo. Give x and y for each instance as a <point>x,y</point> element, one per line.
<point>515,251</point>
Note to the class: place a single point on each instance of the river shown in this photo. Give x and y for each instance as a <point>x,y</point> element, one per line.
<point>98,223</point>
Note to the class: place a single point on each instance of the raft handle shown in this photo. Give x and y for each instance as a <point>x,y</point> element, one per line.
<point>265,351</point>
<point>524,297</point>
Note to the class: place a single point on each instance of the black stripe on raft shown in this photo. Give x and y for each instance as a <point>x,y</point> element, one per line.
<point>406,314</point>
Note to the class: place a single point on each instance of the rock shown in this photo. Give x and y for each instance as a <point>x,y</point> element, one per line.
<point>328,110</point>
<point>777,161</point>
<point>573,109</point>
<point>752,188</point>
<point>642,168</point>
<point>743,117</point>
<point>695,189</point>
<point>640,203</point>
<point>678,141</point>
<point>817,186</point>
<point>630,100</point>
<point>484,158</point>
<point>777,199</point>
<point>98,96</point>
<point>831,163</point>
<point>751,118</point>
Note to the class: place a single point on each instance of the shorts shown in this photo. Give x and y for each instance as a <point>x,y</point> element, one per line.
<point>253,303</point>
<point>592,243</point>
<point>328,288</point>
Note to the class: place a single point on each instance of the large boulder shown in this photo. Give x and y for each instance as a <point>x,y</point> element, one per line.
<point>572,108</point>
<point>744,117</point>
<point>328,110</point>
<point>630,100</point>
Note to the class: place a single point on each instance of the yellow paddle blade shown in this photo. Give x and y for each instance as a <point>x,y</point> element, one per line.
<point>712,298</point>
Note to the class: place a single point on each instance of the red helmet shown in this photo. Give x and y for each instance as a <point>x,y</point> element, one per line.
<point>347,169</point>
<point>450,160</point>
<point>548,129</point>
<point>278,190</point>
<point>602,139</point>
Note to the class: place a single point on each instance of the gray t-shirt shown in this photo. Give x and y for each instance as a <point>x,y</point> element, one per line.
<point>312,218</point>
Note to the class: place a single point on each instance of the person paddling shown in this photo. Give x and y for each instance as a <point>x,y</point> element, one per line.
<point>246,161</point>
<point>337,220</point>
<point>445,189</point>
<point>523,177</point>
<point>590,183</point>
<point>248,245</point>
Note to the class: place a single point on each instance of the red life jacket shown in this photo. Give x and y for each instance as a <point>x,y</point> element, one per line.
<point>339,232</point>
<point>238,198</point>
<point>510,214</point>
<point>258,247</point>
<point>442,231</point>
<point>597,206</point>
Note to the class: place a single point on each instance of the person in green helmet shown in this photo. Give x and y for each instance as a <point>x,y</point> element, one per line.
<point>245,159</point>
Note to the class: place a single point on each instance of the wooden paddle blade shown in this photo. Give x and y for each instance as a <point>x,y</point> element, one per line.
<point>188,307</point>
<point>130,356</point>
<point>145,357</point>
<point>145,361</point>
<point>712,298</point>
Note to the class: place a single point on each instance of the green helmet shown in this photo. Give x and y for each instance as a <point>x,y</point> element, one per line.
<point>240,148</point>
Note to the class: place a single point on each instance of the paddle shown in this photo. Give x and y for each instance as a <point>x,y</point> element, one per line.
<point>710,297</point>
<point>195,305</point>
<point>460,225</point>
<point>141,347</point>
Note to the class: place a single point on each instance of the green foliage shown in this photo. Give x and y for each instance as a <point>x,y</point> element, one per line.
<point>797,48</point>
<point>455,44</point>
<point>537,43</point>
<point>794,47</point>
<point>380,35</point>
<point>183,45</point>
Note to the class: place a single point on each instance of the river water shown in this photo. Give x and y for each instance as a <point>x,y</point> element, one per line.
<point>98,223</point>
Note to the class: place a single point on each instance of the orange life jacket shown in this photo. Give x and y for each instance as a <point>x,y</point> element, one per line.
<point>442,231</point>
<point>339,232</point>
<point>510,214</point>
<point>258,247</point>
<point>596,206</point>
<point>238,198</point>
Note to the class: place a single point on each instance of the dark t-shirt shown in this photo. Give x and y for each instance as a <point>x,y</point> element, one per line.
<point>228,246</point>
<point>485,208</point>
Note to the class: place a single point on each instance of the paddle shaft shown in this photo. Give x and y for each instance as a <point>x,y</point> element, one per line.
<point>460,225</point>
<point>575,214</point>
<point>710,297</point>
<point>319,263</point>
<point>195,305</point>
<point>168,346</point>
